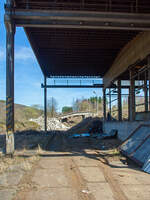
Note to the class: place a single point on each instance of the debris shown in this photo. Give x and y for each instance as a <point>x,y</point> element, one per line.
<point>52,123</point>
<point>112,134</point>
<point>86,191</point>
<point>146,167</point>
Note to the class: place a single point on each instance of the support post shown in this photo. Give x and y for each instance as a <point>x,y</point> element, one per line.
<point>10,33</point>
<point>132,97</point>
<point>104,104</point>
<point>145,95</point>
<point>119,101</point>
<point>110,101</point>
<point>149,80</point>
<point>45,104</point>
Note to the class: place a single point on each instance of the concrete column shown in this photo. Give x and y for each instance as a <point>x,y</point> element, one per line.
<point>132,97</point>
<point>149,80</point>
<point>10,33</point>
<point>119,101</point>
<point>45,104</point>
<point>104,104</point>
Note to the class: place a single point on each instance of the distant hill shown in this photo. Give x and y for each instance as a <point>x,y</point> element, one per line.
<point>22,115</point>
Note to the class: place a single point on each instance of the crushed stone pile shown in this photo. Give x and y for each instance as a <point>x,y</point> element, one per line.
<point>52,124</point>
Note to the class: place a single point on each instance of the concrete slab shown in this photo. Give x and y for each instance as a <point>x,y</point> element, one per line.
<point>52,162</point>
<point>131,178</point>
<point>92,174</point>
<point>137,192</point>
<point>52,194</point>
<point>10,178</point>
<point>83,161</point>
<point>54,177</point>
<point>100,191</point>
<point>7,194</point>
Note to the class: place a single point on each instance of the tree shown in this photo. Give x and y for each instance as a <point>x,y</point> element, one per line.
<point>67,109</point>
<point>52,107</point>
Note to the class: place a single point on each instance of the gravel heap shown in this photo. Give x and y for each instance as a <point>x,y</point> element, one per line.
<point>52,123</point>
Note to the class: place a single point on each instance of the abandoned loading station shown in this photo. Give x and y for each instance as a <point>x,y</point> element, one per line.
<point>84,38</point>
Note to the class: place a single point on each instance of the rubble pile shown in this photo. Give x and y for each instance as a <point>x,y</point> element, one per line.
<point>52,124</point>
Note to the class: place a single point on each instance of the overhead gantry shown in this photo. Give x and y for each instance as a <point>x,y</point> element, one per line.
<point>79,38</point>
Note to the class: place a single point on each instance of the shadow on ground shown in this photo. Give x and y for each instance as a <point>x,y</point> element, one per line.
<point>59,144</point>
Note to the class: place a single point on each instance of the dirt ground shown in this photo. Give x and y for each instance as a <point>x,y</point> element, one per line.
<point>76,169</point>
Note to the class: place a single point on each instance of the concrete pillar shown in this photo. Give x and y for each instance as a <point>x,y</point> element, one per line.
<point>45,104</point>
<point>119,101</point>
<point>104,104</point>
<point>132,97</point>
<point>10,33</point>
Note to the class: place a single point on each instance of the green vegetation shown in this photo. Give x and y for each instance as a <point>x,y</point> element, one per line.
<point>67,109</point>
<point>22,116</point>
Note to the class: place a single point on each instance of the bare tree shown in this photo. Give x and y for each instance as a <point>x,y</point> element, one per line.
<point>52,107</point>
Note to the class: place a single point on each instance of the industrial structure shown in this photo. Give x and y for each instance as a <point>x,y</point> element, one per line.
<point>84,38</point>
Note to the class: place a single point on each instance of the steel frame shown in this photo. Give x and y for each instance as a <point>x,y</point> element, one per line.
<point>79,19</point>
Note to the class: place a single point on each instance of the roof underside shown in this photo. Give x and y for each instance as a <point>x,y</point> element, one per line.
<point>79,52</point>
<point>129,6</point>
<point>71,52</point>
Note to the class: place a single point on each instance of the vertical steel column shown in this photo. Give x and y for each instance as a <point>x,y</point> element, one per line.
<point>149,80</point>
<point>45,104</point>
<point>110,101</point>
<point>104,104</point>
<point>10,33</point>
<point>145,94</point>
<point>132,97</point>
<point>119,101</point>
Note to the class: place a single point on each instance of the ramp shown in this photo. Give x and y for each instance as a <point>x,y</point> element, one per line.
<point>137,145</point>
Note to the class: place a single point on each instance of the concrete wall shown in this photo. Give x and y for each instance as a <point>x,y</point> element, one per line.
<point>142,116</point>
<point>124,128</point>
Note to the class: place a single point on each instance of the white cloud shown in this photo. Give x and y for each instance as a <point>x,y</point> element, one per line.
<point>2,53</point>
<point>24,53</point>
<point>21,53</point>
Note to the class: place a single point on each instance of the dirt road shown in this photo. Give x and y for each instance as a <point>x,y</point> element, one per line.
<point>76,169</point>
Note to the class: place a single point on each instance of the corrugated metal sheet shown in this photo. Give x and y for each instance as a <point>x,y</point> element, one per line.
<point>146,167</point>
<point>137,146</point>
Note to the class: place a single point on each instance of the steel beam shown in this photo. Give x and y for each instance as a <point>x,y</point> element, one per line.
<point>80,19</point>
<point>80,86</point>
<point>119,101</point>
<point>10,33</point>
<point>45,105</point>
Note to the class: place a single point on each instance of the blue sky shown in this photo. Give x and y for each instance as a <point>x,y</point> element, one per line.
<point>28,75</point>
